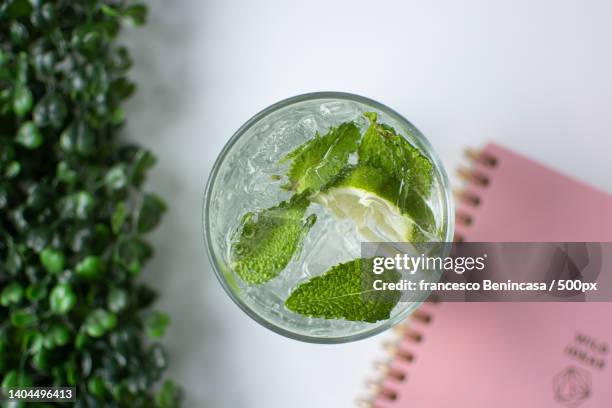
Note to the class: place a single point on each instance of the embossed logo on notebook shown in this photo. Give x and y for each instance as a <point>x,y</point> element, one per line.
<point>572,386</point>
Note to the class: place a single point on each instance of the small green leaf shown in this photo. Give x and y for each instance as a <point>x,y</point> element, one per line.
<point>90,267</point>
<point>88,39</point>
<point>79,205</point>
<point>118,217</point>
<point>78,138</point>
<point>44,63</point>
<point>22,63</point>
<point>36,342</point>
<point>65,173</point>
<point>17,9</point>
<point>84,203</point>
<point>58,335</point>
<point>132,253</point>
<point>93,329</point>
<point>36,291</point>
<point>96,386</point>
<point>108,320</point>
<point>101,238</point>
<point>150,212</point>
<point>29,136</point>
<point>117,300</point>
<point>157,356</point>
<point>143,160</point>
<point>14,378</point>
<point>11,294</point>
<point>62,299</point>
<point>37,238</point>
<point>11,379</point>
<point>15,257</point>
<point>43,15</point>
<point>40,360</point>
<point>118,116</point>
<point>50,111</point>
<point>52,260</point>
<point>22,100</point>
<point>71,373</point>
<point>123,88</point>
<point>81,341</point>
<point>157,323</point>
<point>109,11</point>
<point>12,169</point>
<point>115,178</point>
<point>136,14</point>
<point>168,395</point>
<point>23,318</point>
<point>120,391</point>
<point>99,322</point>
<point>19,33</point>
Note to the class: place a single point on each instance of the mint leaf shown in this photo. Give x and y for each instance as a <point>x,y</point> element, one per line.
<point>320,159</point>
<point>269,238</point>
<point>345,292</point>
<point>384,148</point>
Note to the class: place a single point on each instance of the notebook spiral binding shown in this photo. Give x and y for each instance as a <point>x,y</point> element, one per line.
<point>470,175</point>
<point>384,369</point>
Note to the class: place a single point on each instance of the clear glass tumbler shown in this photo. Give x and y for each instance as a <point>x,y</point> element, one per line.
<point>245,177</point>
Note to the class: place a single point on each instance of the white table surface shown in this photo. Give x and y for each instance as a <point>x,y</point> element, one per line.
<point>533,75</point>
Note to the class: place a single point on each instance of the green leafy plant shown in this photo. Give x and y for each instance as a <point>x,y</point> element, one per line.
<point>73,211</point>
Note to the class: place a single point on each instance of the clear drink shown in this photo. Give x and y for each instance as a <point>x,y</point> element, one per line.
<point>250,175</point>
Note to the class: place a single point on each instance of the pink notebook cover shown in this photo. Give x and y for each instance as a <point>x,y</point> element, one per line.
<point>524,201</point>
<point>511,354</point>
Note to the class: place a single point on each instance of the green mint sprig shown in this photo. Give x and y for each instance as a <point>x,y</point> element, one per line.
<point>383,148</point>
<point>320,159</point>
<point>268,239</point>
<point>346,292</point>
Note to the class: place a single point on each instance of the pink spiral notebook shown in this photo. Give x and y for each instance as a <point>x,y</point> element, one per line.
<point>509,354</point>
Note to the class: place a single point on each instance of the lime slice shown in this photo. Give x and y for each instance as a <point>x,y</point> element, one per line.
<point>382,208</point>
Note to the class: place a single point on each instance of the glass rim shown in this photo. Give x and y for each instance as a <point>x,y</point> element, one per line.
<point>447,197</point>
